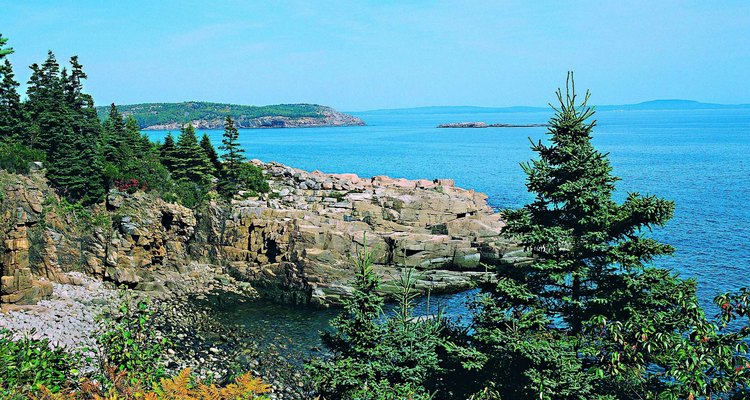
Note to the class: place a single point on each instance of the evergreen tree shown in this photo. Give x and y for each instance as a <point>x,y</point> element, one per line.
<point>64,125</point>
<point>374,357</point>
<point>77,167</point>
<point>48,112</point>
<point>589,318</point>
<point>11,111</point>
<point>140,143</point>
<point>3,50</point>
<point>210,151</point>
<point>114,143</point>
<point>192,164</point>
<point>233,157</point>
<point>168,152</point>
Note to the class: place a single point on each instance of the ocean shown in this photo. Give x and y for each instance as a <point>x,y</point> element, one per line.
<point>700,159</point>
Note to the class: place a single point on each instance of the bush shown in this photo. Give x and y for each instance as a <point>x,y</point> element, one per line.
<point>252,178</point>
<point>130,346</point>
<point>26,364</point>
<point>15,157</point>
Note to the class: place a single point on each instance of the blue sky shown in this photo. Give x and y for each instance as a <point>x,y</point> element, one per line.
<point>358,55</point>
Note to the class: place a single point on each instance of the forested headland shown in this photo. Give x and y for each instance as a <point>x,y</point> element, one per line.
<point>204,115</point>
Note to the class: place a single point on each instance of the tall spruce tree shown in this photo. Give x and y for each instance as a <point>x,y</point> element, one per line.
<point>78,168</point>
<point>11,111</point>
<point>114,144</point>
<point>211,153</point>
<point>168,152</point>
<point>589,317</point>
<point>233,157</point>
<point>192,164</point>
<point>47,110</point>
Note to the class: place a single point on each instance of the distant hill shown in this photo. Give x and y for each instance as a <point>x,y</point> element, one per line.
<point>204,115</point>
<point>647,105</point>
<point>672,105</point>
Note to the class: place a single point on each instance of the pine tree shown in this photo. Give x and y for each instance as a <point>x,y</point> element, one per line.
<point>191,165</point>
<point>140,144</point>
<point>11,111</point>
<point>233,158</point>
<point>589,318</point>
<point>210,151</point>
<point>114,143</point>
<point>64,125</point>
<point>168,152</point>
<point>3,50</point>
<point>46,106</point>
<point>77,167</point>
<point>374,356</point>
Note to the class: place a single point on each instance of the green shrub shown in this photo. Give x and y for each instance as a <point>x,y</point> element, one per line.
<point>252,178</point>
<point>130,345</point>
<point>15,157</point>
<point>26,363</point>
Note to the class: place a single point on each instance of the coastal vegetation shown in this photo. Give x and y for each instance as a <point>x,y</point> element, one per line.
<point>588,317</point>
<point>85,157</point>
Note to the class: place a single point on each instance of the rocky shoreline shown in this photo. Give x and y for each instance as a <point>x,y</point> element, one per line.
<point>296,244</point>
<point>71,319</point>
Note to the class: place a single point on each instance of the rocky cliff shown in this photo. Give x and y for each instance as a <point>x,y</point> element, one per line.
<point>296,243</point>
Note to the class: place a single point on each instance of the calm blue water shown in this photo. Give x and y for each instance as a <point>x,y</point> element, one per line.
<point>698,158</point>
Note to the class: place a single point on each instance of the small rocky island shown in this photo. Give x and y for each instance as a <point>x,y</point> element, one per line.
<point>486,125</point>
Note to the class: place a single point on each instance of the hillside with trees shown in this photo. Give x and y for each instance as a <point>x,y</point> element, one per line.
<point>203,115</point>
<point>85,155</point>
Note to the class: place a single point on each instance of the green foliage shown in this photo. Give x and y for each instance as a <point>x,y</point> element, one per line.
<point>211,154</point>
<point>12,117</point>
<point>3,50</point>
<point>251,178</point>
<point>374,356</point>
<point>150,114</point>
<point>589,318</point>
<point>63,124</point>
<point>15,157</point>
<point>129,344</point>
<point>131,160</point>
<point>233,157</point>
<point>26,364</point>
<point>192,163</point>
<point>168,152</point>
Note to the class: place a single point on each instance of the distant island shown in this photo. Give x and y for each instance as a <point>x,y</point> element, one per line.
<point>204,115</point>
<point>486,125</point>
<point>669,104</point>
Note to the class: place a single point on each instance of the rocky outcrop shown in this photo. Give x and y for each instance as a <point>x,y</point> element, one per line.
<point>20,213</point>
<point>302,240</point>
<point>297,243</point>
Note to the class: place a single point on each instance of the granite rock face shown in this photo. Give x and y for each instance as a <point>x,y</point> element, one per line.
<point>303,238</point>
<point>297,243</point>
<point>20,218</point>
